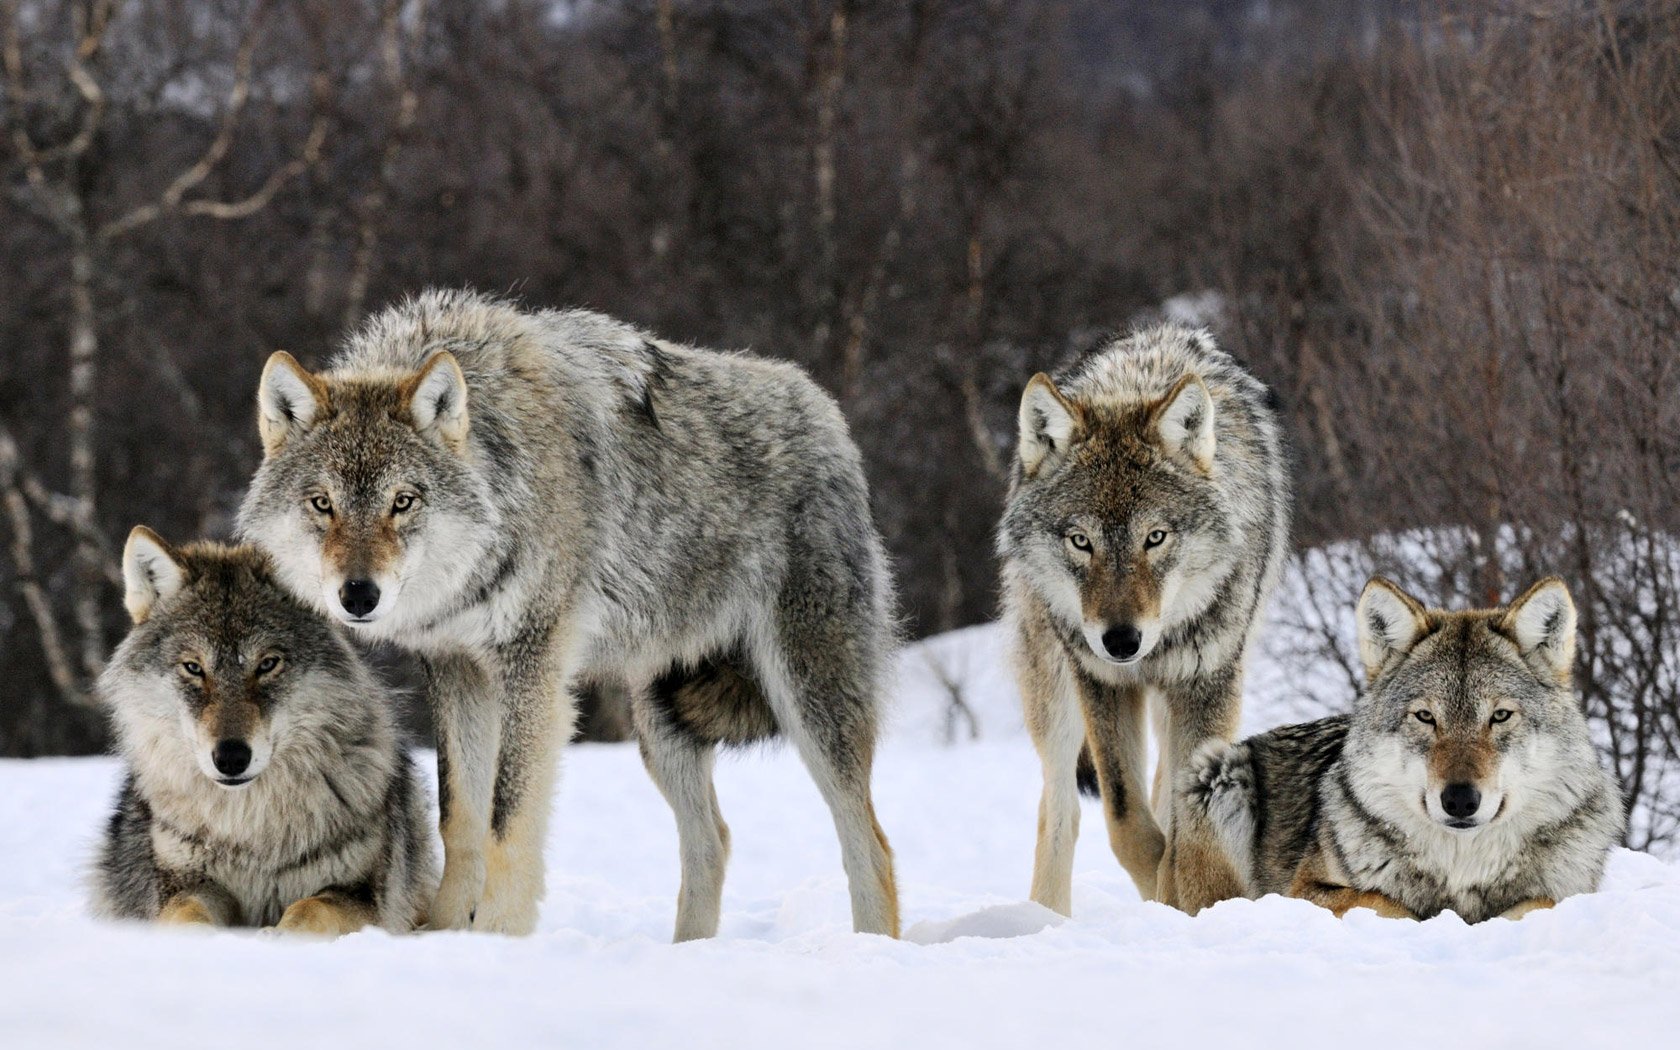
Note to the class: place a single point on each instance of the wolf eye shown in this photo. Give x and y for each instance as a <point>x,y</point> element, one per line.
<point>1079,542</point>
<point>322,504</point>
<point>193,668</point>
<point>1155,538</point>
<point>1425,717</point>
<point>403,502</point>
<point>1502,715</point>
<point>268,664</point>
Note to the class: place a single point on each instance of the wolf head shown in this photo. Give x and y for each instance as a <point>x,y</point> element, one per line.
<point>1115,516</point>
<point>1468,717</point>
<point>365,498</point>
<point>212,672</point>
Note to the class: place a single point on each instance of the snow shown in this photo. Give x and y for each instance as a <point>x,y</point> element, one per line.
<point>979,966</point>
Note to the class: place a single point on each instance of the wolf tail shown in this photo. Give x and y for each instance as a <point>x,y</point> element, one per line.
<point>1218,787</point>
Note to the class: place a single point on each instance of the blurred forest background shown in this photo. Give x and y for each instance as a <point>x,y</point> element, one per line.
<point>1448,234</point>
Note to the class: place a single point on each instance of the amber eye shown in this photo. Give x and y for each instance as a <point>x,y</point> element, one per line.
<point>403,502</point>
<point>193,668</point>
<point>1079,542</point>
<point>268,664</point>
<point>1502,715</point>
<point>322,504</point>
<point>1425,717</point>
<point>1155,539</point>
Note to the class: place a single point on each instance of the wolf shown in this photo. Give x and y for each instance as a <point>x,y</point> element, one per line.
<point>1464,780</point>
<point>265,783</point>
<point>1147,518</point>
<point>533,500</point>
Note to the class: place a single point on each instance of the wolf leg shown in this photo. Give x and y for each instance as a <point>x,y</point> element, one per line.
<point>537,720</point>
<point>1517,911</point>
<point>1057,727</point>
<point>467,719</point>
<point>200,906</point>
<point>1114,726</point>
<point>823,699</point>
<point>681,767</point>
<point>1195,870</point>
<point>327,914</point>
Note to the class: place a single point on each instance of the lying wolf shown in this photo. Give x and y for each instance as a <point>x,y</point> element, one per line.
<point>531,500</point>
<point>265,783</point>
<point>1464,779</point>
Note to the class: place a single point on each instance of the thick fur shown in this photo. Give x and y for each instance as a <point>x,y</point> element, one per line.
<point>329,830</point>
<point>1151,495</point>
<point>1346,811</point>
<point>545,498</point>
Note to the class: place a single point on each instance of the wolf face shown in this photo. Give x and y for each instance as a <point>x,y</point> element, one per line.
<point>364,497</point>
<point>210,674</point>
<point>1460,723</point>
<point>1121,524</point>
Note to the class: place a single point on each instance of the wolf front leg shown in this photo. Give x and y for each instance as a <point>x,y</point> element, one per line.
<point>1195,871</point>
<point>1057,726</point>
<point>201,905</point>
<point>1114,727</point>
<point>330,913</point>
<point>1517,911</point>
<point>538,714</point>
<point>467,718</point>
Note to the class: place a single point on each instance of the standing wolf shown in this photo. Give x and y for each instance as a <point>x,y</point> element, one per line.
<point>1146,523</point>
<point>531,500</point>
<point>265,784</point>
<point>1464,780</point>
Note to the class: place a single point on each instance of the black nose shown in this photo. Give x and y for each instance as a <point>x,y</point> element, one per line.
<point>359,597</point>
<point>1122,642</point>
<point>232,757</point>
<point>1460,800</point>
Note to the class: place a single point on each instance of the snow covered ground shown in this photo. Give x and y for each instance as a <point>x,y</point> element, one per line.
<point>978,966</point>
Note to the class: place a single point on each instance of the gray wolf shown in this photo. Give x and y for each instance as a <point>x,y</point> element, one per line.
<point>1147,519</point>
<point>532,500</point>
<point>265,783</point>
<point>1464,780</point>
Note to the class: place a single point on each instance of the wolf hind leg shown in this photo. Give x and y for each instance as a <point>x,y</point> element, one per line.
<point>468,724</point>
<point>680,764</point>
<point>1057,727</point>
<point>824,701</point>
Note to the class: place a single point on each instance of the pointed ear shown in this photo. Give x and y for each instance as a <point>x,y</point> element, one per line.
<point>1183,421</point>
<point>289,401</point>
<point>151,572</point>
<point>1390,623</point>
<point>437,399</point>
<point>1542,623</point>
<point>1049,423</point>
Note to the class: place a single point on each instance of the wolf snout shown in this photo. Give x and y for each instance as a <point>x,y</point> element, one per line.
<point>1461,801</point>
<point>1122,642</point>
<point>359,597</point>
<point>231,757</point>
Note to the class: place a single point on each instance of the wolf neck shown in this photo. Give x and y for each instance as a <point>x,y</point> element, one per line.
<point>293,802</point>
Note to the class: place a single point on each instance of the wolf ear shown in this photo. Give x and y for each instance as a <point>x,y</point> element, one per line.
<point>437,399</point>
<point>150,572</point>
<point>1390,623</point>
<point>289,400</point>
<point>1049,423</point>
<point>1542,623</point>
<point>1184,421</point>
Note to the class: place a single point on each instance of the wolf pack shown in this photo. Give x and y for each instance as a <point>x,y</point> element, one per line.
<point>537,502</point>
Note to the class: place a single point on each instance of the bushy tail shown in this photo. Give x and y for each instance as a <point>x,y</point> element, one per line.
<point>1218,787</point>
